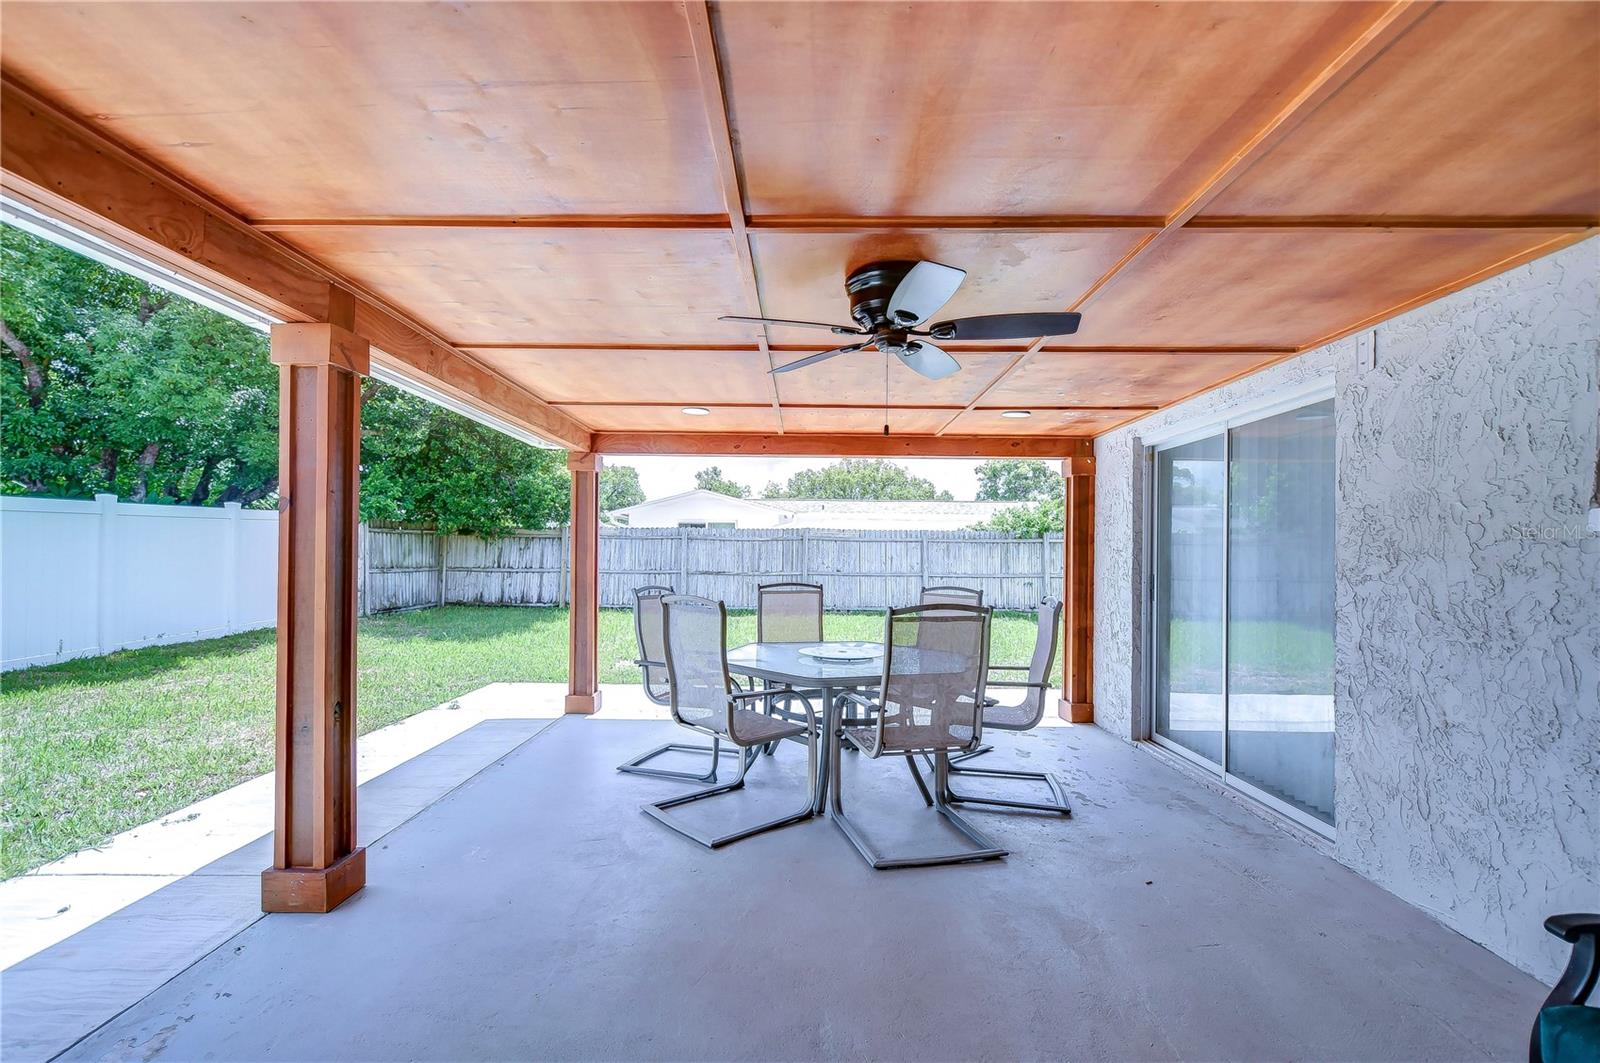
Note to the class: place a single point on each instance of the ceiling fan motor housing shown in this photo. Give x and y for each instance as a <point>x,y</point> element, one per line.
<point>870,288</point>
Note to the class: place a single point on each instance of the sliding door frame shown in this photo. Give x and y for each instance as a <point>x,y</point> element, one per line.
<point>1189,430</point>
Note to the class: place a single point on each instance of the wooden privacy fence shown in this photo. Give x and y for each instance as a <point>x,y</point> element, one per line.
<point>404,568</point>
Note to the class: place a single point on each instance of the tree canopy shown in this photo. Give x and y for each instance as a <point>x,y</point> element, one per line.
<point>872,478</point>
<point>619,487</point>
<point>111,384</point>
<point>1015,480</point>
<point>712,479</point>
<point>1030,520</point>
<point>423,465</point>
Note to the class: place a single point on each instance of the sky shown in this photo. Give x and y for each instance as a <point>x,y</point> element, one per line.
<point>663,476</point>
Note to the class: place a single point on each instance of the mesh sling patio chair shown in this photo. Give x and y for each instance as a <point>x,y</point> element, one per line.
<point>929,703</point>
<point>648,628</point>
<point>951,596</point>
<point>703,698</point>
<point>787,612</point>
<point>1022,715</point>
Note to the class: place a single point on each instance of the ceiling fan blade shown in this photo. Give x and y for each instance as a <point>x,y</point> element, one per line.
<point>920,356</point>
<point>841,330</point>
<point>927,287</point>
<point>1006,327</point>
<point>813,359</point>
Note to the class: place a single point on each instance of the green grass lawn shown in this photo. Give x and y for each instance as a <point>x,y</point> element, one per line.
<point>95,746</point>
<point>1266,657</point>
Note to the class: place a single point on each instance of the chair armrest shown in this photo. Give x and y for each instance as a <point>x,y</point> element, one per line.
<point>1582,929</point>
<point>753,695</point>
<point>644,663</point>
<point>1574,925</point>
<point>1009,667</point>
<point>1013,684</point>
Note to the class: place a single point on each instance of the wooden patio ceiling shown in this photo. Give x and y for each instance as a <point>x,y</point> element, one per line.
<point>543,208</point>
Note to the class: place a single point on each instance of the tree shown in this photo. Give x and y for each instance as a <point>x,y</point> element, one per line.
<point>1012,480</point>
<point>872,478</point>
<point>712,480</point>
<point>423,465</point>
<point>619,487</point>
<point>1031,520</point>
<point>110,384</point>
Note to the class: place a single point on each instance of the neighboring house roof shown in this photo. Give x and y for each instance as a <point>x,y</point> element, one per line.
<point>897,506</point>
<point>824,512</point>
<point>699,494</point>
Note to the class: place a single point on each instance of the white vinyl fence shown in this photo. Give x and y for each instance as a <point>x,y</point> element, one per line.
<point>79,579</point>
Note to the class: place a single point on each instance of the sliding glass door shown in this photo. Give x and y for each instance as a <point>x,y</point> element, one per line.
<point>1190,667</point>
<point>1242,605</point>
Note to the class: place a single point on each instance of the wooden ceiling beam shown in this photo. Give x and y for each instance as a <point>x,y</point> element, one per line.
<point>60,166</point>
<point>994,381</point>
<point>709,67</point>
<point>803,348</point>
<point>736,444</point>
<point>874,407</point>
<point>1389,25</point>
<point>1535,223</point>
<point>676,222</point>
<point>1002,223</point>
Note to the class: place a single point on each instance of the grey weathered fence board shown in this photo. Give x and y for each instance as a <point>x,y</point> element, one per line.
<point>858,569</point>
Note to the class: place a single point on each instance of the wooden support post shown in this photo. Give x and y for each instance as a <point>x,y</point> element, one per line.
<point>1077,701</point>
<point>583,617</point>
<point>316,864</point>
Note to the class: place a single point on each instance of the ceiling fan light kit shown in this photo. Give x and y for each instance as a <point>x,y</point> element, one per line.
<point>889,301</point>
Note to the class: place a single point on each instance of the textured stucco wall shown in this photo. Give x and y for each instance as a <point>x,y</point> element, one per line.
<point>1467,651</point>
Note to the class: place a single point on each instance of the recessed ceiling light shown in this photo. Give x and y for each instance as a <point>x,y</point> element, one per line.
<point>696,411</point>
<point>1018,414</point>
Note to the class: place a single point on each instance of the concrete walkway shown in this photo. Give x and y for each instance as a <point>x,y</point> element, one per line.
<point>532,912</point>
<point>53,902</point>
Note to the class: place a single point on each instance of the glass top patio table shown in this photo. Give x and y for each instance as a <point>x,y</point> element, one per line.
<point>782,662</point>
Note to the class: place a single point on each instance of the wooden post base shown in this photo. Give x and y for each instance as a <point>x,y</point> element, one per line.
<point>309,889</point>
<point>583,704</point>
<point>1075,711</point>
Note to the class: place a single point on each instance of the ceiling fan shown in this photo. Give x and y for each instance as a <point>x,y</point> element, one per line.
<point>890,300</point>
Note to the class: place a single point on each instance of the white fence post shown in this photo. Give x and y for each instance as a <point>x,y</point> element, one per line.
<point>561,566</point>
<point>230,568</point>
<point>443,544</point>
<point>364,569</point>
<point>105,581</point>
<point>683,561</point>
<point>1044,566</point>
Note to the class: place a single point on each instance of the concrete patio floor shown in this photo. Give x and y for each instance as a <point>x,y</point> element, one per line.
<point>533,912</point>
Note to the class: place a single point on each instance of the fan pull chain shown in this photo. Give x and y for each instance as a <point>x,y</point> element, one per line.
<point>886,393</point>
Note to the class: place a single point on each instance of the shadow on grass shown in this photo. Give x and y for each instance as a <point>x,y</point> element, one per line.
<point>125,665</point>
